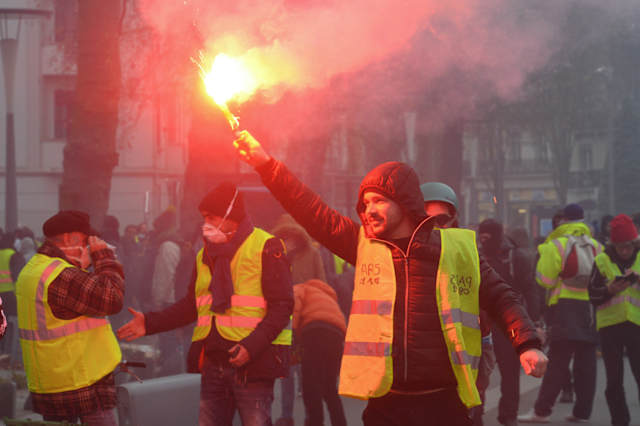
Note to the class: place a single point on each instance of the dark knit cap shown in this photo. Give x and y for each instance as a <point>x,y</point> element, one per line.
<point>68,221</point>
<point>217,201</point>
<point>573,212</point>
<point>491,227</point>
<point>622,229</point>
<point>166,220</point>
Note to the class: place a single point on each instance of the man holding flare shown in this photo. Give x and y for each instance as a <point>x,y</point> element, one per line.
<point>413,341</point>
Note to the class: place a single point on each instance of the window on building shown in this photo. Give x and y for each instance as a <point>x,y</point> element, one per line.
<point>586,157</point>
<point>62,108</point>
<point>516,152</point>
<point>543,154</point>
<point>65,19</point>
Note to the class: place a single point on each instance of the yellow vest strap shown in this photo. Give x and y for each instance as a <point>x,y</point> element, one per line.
<point>464,358</point>
<point>40,309</point>
<point>618,300</point>
<point>367,349</point>
<point>560,248</point>
<point>65,330</point>
<point>451,316</point>
<point>371,307</point>
<point>545,280</point>
<point>204,320</point>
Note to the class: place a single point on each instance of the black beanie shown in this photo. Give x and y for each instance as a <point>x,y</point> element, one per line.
<point>218,199</point>
<point>491,227</point>
<point>68,221</point>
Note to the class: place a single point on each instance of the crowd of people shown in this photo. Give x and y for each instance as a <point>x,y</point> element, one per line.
<point>404,309</point>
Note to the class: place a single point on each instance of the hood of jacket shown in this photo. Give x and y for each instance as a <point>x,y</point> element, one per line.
<point>398,182</point>
<point>570,228</point>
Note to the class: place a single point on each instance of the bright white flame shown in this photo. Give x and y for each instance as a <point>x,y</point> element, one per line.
<point>227,78</point>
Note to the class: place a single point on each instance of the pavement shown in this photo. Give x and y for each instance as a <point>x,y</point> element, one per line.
<point>528,393</point>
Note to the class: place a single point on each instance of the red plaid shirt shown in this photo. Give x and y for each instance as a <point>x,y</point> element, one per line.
<point>73,293</point>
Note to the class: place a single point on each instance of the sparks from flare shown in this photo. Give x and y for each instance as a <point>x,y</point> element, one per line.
<point>226,79</point>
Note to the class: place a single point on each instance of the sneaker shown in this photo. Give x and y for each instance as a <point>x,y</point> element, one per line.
<point>574,419</point>
<point>566,397</point>
<point>532,417</point>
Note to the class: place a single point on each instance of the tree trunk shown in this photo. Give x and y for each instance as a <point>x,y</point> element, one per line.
<point>90,153</point>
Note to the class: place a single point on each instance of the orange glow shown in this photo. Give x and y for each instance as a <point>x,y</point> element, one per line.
<point>227,78</point>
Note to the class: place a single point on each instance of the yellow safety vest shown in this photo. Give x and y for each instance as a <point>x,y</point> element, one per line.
<point>59,355</point>
<point>552,257</point>
<point>248,305</point>
<point>6,283</point>
<point>367,365</point>
<point>624,306</point>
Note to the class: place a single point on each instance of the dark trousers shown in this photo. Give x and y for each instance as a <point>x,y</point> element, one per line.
<point>442,408</point>
<point>321,355</point>
<point>614,339</point>
<point>584,376</point>
<point>509,366</point>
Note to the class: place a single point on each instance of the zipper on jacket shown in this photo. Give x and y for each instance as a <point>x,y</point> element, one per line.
<point>405,342</point>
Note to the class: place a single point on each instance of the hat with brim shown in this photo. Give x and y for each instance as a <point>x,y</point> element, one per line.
<point>66,221</point>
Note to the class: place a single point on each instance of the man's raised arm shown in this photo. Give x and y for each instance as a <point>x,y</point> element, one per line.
<point>333,230</point>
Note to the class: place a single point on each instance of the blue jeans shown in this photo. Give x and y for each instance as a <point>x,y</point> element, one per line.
<point>223,391</point>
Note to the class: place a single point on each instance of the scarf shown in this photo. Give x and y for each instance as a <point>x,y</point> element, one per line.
<point>218,258</point>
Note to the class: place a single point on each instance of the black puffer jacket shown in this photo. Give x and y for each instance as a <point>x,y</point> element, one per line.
<point>419,353</point>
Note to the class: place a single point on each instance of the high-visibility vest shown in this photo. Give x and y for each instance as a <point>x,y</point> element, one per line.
<point>624,306</point>
<point>367,365</point>
<point>59,355</point>
<point>552,258</point>
<point>248,305</point>
<point>6,283</point>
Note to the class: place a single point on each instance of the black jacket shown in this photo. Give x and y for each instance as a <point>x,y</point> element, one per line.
<point>420,360</point>
<point>266,360</point>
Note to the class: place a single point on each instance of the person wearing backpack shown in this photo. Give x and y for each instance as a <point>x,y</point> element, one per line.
<point>614,290</point>
<point>564,267</point>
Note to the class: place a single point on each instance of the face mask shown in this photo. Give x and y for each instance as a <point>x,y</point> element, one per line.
<point>213,234</point>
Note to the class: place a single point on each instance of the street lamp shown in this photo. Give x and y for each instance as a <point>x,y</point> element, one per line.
<point>10,23</point>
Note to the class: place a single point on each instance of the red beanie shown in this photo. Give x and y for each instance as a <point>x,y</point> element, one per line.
<point>622,229</point>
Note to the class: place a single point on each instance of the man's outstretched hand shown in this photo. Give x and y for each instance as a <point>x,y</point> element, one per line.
<point>133,329</point>
<point>250,149</point>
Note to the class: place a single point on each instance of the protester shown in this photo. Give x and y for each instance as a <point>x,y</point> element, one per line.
<point>319,326</point>
<point>604,229</point>
<point>68,347</point>
<point>306,264</point>
<point>431,376</point>
<point>241,296</point>
<point>614,289</point>
<point>11,263</point>
<point>441,202</point>
<point>565,264</point>
<point>516,267</point>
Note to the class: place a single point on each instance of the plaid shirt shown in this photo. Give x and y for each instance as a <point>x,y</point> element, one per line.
<point>73,293</point>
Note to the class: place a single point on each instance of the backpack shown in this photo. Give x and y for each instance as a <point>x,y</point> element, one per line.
<point>577,261</point>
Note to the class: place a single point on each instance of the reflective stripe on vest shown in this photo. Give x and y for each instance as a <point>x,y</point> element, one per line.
<point>248,305</point>
<point>6,283</point>
<point>45,339</point>
<point>624,306</point>
<point>367,365</point>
